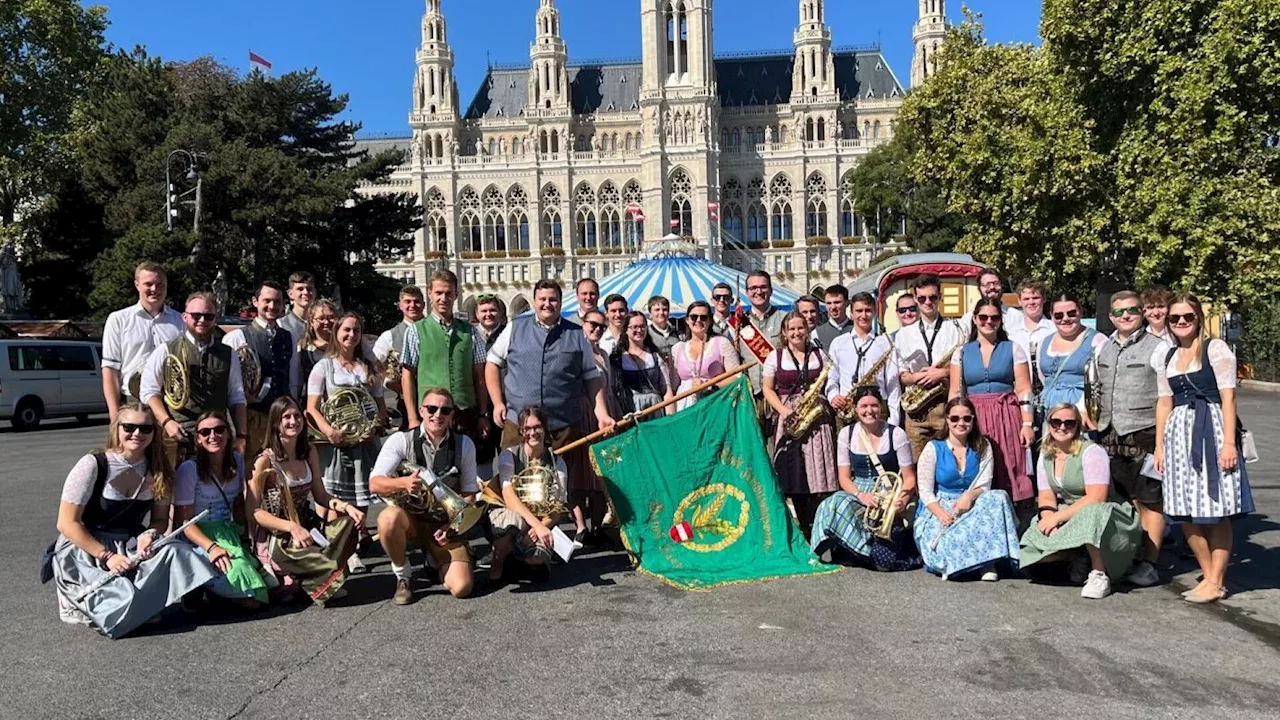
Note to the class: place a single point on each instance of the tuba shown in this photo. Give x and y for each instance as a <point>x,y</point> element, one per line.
<point>879,520</point>
<point>848,415</point>
<point>810,407</point>
<point>538,487</point>
<point>352,411</point>
<point>435,500</point>
<point>175,382</point>
<point>250,372</point>
<point>1092,391</point>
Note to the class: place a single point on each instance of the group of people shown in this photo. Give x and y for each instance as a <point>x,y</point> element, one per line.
<point>933,428</point>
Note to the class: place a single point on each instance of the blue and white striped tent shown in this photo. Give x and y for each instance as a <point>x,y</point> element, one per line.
<point>679,278</point>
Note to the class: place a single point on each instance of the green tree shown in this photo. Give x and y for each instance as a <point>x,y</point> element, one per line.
<point>48,51</point>
<point>884,192</point>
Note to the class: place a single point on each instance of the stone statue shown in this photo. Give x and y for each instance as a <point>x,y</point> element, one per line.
<point>502,147</point>
<point>666,124</point>
<point>768,134</point>
<point>840,130</point>
<point>454,147</point>
<point>657,126</point>
<point>10,282</point>
<point>479,147</point>
<point>220,290</point>
<point>595,142</point>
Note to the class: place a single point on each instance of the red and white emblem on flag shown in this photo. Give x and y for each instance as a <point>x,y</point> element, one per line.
<point>681,532</point>
<point>258,61</point>
<point>675,223</point>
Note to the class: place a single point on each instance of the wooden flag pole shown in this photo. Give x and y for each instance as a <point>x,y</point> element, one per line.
<point>630,420</point>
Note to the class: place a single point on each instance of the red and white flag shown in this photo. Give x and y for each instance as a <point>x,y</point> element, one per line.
<point>258,61</point>
<point>713,210</point>
<point>675,223</point>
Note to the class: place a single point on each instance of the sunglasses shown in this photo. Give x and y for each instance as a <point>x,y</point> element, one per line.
<point>907,310</point>
<point>1188,318</point>
<point>1070,314</point>
<point>1060,424</point>
<point>699,318</point>
<point>592,324</point>
<point>926,298</point>
<point>987,319</point>
<point>202,317</point>
<point>441,410</point>
<point>131,428</point>
<point>961,418</point>
<point>638,328</point>
<point>486,296</point>
<point>1121,312</point>
<point>215,430</point>
<point>722,298</point>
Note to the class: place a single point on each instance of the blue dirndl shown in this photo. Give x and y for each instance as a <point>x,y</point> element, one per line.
<point>986,534</point>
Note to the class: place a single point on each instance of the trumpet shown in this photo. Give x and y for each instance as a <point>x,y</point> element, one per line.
<point>879,519</point>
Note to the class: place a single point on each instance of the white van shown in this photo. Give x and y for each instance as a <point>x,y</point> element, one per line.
<point>49,378</point>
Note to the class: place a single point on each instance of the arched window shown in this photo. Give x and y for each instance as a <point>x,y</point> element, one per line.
<point>731,221</point>
<point>848,218</point>
<point>495,231</point>
<point>671,38</point>
<point>781,221</point>
<point>518,230</point>
<point>471,232</point>
<point>757,222</point>
<point>822,130</point>
<point>437,234</point>
<point>724,137</point>
<point>610,228</point>
<point>552,229</point>
<point>808,129</point>
<point>684,39</point>
<point>875,130</point>
<point>815,221</point>
<point>735,137</point>
<point>681,204</point>
<point>585,234</point>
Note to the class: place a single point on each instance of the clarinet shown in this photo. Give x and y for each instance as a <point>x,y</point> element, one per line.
<point>154,546</point>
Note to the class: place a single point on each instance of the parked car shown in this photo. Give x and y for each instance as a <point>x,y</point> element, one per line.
<point>49,378</point>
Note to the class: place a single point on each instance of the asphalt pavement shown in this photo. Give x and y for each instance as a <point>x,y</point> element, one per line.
<point>601,641</point>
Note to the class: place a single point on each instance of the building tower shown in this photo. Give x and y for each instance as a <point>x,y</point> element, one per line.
<point>929,33</point>
<point>548,56</point>
<point>814,76</point>
<point>679,103</point>
<point>434,117</point>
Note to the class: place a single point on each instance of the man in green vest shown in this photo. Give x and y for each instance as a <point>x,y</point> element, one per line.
<point>443,351</point>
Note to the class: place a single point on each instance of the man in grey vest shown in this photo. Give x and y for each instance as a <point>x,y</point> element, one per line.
<point>549,364</point>
<point>588,292</point>
<point>389,344</point>
<point>277,356</point>
<point>1128,421</point>
<point>837,323</point>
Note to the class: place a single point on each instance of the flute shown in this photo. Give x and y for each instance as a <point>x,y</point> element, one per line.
<point>937,538</point>
<point>134,558</point>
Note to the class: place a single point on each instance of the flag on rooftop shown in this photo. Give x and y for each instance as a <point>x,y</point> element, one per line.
<point>258,61</point>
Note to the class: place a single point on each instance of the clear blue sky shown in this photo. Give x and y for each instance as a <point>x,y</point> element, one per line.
<point>366,49</point>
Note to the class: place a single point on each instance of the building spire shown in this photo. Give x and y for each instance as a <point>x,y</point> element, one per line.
<point>548,56</point>
<point>433,88</point>
<point>814,75</point>
<point>929,34</point>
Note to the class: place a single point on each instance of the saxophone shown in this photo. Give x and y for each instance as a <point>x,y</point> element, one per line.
<point>810,407</point>
<point>918,397</point>
<point>847,415</point>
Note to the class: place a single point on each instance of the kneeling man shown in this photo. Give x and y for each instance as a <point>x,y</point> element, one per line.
<point>452,457</point>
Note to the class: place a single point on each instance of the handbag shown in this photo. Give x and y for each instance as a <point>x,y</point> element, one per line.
<point>1248,448</point>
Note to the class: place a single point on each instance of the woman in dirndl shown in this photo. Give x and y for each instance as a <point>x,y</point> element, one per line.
<point>867,449</point>
<point>805,465</point>
<point>115,501</point>
<point>314,344</point>
<point>703,356</point>
<point>640,375</point>
<point>994,373</point>
<point>287,499</point>
<point>1065,356</point>
<point>346,466</point>
<point>963,525</point>
<point>213,480</point>
<point>1198,444</point>
<point>587,498</point>
<point>517,531</point>
<point>1080,517</point>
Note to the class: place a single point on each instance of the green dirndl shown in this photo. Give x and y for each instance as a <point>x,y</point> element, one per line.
<point>244,579</point>
<point>1110,526</point>
<point>320,571</point>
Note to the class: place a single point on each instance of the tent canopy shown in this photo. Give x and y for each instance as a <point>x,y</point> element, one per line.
<point>680,279</point>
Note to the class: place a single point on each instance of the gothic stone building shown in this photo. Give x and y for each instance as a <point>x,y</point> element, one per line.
<point>565,170</point>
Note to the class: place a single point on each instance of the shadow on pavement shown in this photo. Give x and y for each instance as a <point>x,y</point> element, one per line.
<point>1253,565</point>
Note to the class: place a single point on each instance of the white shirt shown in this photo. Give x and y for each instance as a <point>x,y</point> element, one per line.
<point>608,342</point>
<point>913,349</point>
<point>849,367</point>
<point>152,374</point>
<point>318,381</point>
<point>1166,337</point>
<point>385,344</point>
<point>399,447</point>
<point>1025,337</point>
<point>236,339</point>
<point>132,333</point>
<point>1221,359</point>
<point>926,468</point>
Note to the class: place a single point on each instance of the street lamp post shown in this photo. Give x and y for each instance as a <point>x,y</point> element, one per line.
<point>172,199</point>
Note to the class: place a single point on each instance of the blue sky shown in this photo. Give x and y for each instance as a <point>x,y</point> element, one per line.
<point>366,49</point>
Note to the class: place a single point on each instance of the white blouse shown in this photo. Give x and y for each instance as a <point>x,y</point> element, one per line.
<point>1221,359</point>
<point>926,468</point>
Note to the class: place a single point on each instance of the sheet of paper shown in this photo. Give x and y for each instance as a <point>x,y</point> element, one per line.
<point>319,539</point>
<point>1149,468</point>
<point>561,543</point>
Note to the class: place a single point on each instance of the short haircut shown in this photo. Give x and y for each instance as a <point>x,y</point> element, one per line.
<point>1034,286</point>
<point>760,274</point>
<point>544,284</point>
<point>151,267</point>
<point>302,277</point>
<point>436,391</point>
<point>1125,295</point>
<point>1157,295</point>
<point>898,303</point>
<point>867,299</point>
<point>445,276</point>
<point>926,280</point>
<point>201,295</point>
<point>585,280</point>
<point>721,286</point>
<point>270,285</point>
<point>658,300</point>
<point>412,291</point>
<point>615,297</point>
<point>840,290</point>
<point>489,300</point>
<point>808,299</point>
<point>991,271</point>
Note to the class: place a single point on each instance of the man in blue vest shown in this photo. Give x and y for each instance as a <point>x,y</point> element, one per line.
<point>549,364</point>
<point>442,351</point>
<point>277,355</point>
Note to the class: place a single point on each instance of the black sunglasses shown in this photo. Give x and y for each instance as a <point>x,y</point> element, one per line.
<point>699,317</point>
<point>131,428</point>
<point>203,317</point>
<point>926,298</point>
<point>1188,318</point>
<point>982,318</point>
<point>592,324</point>
<point>442,410</point>
<point>215,430</point>
<point>1060,424</point>
<point>908,309</point>
<point>722,298</point>
<point>961,418</point>
<point>1068,314</point>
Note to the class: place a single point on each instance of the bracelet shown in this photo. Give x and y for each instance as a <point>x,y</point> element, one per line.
<point>1028,424</point>
<point>166,422</point>
<point>105,555</point>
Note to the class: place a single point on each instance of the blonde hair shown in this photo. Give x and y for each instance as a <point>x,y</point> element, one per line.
<point>1185,298</point>
<point>1050,449</point>
<point>309,336</point>
<point>157,463</point>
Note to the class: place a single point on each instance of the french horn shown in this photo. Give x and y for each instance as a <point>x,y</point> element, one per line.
<point>250,372</point>
<point>434,500</point>
<point>538,487</point>
<point>176,382</point>
<point>352,411</point>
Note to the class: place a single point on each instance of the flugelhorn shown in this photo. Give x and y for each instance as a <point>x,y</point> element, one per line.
<point>442,500</point>
<point>880,518</point>
<point>537,486</point>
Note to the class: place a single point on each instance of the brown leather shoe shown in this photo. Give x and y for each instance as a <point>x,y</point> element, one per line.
<point>404,592</point>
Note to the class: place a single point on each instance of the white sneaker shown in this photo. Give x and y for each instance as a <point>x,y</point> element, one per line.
<point>355,565</point>
<point>69,613</point>
<point>990,576</point>
<point>1079,569</point>
<point>1097,586</point>
<point>1143,574</point>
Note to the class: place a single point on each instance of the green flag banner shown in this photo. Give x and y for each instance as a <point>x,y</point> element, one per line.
<point>696,498</point>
